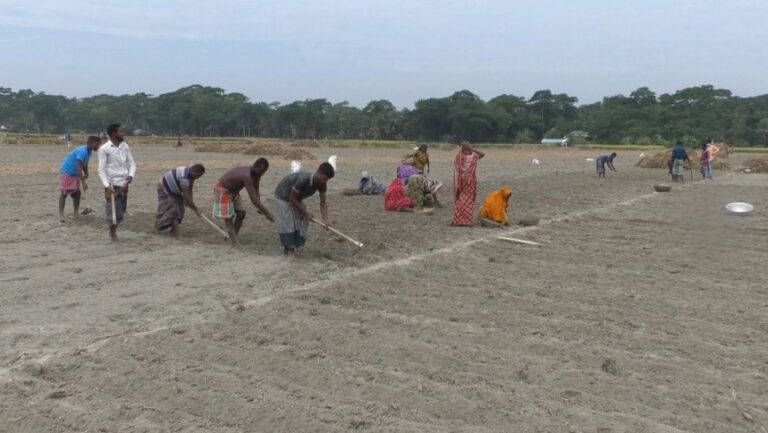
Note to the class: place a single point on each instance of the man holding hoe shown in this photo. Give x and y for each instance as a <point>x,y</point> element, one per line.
<point>116,170</point>
<point>227,204</point>
<point>174,191</point>
<point>293,218</point>
<point>73,173</point>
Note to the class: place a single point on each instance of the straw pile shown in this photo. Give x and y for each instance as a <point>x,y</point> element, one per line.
<point>262,148</point>
<point>654,160</point>
<point>756,164</point>
<point>660,159</point>
<point>221,147</point>
<point>288,152</point>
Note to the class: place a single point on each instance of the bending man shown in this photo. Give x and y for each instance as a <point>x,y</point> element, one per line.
<point>226,194</point>
<point>73,172</point>
<point>292,215</point>
<point>174,191</point>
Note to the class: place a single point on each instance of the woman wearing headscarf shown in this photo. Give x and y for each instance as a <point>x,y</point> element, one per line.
<point>465,184</point>
<point>405,171</point>
<point>395,199</point>
<point>419,187</point>
<point>368,185</point>
<point>495,206</point>
<point>419,159</point>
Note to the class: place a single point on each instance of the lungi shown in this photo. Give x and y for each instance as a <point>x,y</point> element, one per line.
<point>291,224</point>
<point>225,203</point>
<point>170,208</point>
<point>678,167</point>
<point>69,184</point>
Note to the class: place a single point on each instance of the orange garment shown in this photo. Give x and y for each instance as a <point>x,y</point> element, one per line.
<point>495,206</point>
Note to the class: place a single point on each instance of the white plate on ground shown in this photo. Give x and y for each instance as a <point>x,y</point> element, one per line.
<point>739,208</point>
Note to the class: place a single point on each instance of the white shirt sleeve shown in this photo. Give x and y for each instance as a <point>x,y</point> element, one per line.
<point>131,162</point>
<point>103,167</point>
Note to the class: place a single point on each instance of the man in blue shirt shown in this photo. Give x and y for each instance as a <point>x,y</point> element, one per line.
<point>601,161</point>
<point>679,156</point>
<point>73,172</point>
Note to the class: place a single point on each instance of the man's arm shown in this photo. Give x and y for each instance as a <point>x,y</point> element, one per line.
<point>610,165</point>
<point>297,204</point>
<point>131,166</point>
<point>253,194</point>
<point>82,173</point>
<point>186,195</point>
<point>103,167</point>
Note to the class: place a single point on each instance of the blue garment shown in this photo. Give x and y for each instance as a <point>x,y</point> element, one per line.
<point>121,203</point>
<point>69,166</point>
<point>605,158</point>
<point>678,152</point>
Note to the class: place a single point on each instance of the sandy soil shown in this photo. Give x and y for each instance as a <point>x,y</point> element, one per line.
<point>638,312</point>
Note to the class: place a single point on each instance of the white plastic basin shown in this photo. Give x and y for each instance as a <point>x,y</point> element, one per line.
<point>739,208</point>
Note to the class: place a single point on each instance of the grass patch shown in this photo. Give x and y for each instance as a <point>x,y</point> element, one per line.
<point>751,150</point>
<point>626,147</point>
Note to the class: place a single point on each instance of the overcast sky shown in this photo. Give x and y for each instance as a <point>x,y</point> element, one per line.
<point>360,50</point>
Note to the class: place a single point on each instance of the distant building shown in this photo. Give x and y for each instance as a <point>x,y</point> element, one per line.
<point>558,141</point>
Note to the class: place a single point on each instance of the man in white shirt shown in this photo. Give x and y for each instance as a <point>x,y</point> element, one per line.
<point>116,170</point>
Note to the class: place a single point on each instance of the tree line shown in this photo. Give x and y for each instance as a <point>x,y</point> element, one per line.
<point>691,115</point>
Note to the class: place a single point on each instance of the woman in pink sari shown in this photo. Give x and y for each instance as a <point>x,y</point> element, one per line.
<point>465,184</point>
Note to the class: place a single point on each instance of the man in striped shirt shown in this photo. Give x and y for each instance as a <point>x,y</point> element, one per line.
<point>174,191</point>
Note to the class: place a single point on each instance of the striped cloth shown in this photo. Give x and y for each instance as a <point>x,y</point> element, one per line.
<point>225,203</point>
<point>175,180</point>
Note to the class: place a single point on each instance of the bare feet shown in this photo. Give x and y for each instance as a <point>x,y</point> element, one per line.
<point>113,232</point>
<point>61,218</point>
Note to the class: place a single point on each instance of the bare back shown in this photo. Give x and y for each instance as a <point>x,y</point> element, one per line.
<point>237,178</point>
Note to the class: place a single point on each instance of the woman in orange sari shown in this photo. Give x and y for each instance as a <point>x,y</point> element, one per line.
<point>495,206</point>
<point>465,184</point>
